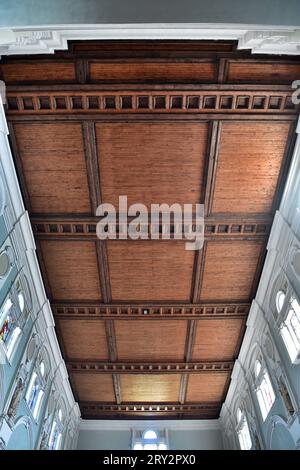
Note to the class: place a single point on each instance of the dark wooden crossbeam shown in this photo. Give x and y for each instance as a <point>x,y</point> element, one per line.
<point>97,311</point>
<point>96,367</point>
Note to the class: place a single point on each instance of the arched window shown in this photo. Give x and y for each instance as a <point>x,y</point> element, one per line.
<point>280,298</point>
<point>9,329</point>
<point>56,433</point>
<point>36,388</point>
<point>150,440</point>
<point>4,264</point>
<point>264,389</point>
<point>290,330</point>
<point>243,431</point>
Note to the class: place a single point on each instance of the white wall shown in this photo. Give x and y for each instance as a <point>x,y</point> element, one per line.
<point>117,435</point>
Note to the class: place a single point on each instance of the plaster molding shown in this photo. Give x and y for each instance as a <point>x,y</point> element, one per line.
<point>172,425</point>
<point>42,40</point>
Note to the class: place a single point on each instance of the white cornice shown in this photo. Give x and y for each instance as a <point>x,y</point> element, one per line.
<point>171,425</point>
<point>45,40</point>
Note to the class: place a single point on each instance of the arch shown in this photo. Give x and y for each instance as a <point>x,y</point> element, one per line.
<point>280,283</point>
<point>295,259</point>
<point>2,196</point>
<point>21,437</point>
<point>1,388</point>
<point>280,437</point>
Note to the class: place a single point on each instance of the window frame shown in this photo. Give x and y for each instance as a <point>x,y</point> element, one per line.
<point>264,389</point>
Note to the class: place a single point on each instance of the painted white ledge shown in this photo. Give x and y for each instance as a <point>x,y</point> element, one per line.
<point>45,40</point>
<point>172,425</point>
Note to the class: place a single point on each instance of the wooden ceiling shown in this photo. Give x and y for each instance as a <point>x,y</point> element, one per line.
<point>147,328</point>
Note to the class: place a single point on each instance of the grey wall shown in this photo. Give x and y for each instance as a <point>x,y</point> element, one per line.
<point>107,440</point>
<point>45,12</point>
<point>194,440</point>
<point>178,440</point>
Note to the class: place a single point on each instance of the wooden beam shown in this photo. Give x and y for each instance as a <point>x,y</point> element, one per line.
<point>153,410</point>
<point>91,157</point>
<point>221,228</point>
<point>198,271</point>
<point>111,340</point>
<point>19,166</point>
<point>96,311</point>
<point>188,353</point>
<point>219,99</point>
<point>113,355</point>
<point>97,367</point>
<point>213,152</point>
<point>103,270</point>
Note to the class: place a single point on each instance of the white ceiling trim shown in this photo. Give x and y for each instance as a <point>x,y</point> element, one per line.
<point>42,40</point>
<point>171,425</point>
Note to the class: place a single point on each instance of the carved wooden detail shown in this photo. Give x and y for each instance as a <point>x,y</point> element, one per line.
<point>86,367</point>
<point>124,311</point>
<point>209,409</point>
<point>85,228</point>
<point>149,101</point>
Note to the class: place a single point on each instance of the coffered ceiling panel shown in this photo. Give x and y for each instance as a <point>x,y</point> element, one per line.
<point>152,71</point>
<point>206,387</point>
<point>54,167</point>
<point>75,348</point>
<point>93,387</point>
<point>230,269</point>
<point>151,340</point>
<point>142,160</point>
<point>72,269</point>
<point>150,388</point>
<point>149,329</point>
<point>217,339</point>
<point>150,270</point>
<point>249,163</point>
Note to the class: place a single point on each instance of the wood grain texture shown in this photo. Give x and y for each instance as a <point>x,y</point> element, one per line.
<point>72,269</point>
<point>142,161</point>
<point>250,159</point>
<point>54,167</point>
<point>93,387</point>
<point>148,270</point>
<point>146,340</point>
<point>208,387</point>
<point>229,271</point>
<point>154,388</point>
<point>161,122</point>
<point>152,71</point>
<point>217,339</point>
<point>263,72</point>
<point>73,333</point>
<point>28,72</point>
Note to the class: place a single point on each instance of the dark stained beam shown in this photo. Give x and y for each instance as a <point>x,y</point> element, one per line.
<point>18,162</point>
<point>91,158</point>
<point>215,228</point>
<point>198,271</point>
<point>96,367</point>
<point>213,153</point>
<point>220,99</point>
<point>153,410</point>
<point>188,352</point>
<point>97,311</point>
<point>113,355</point>
<point>103,270</point>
